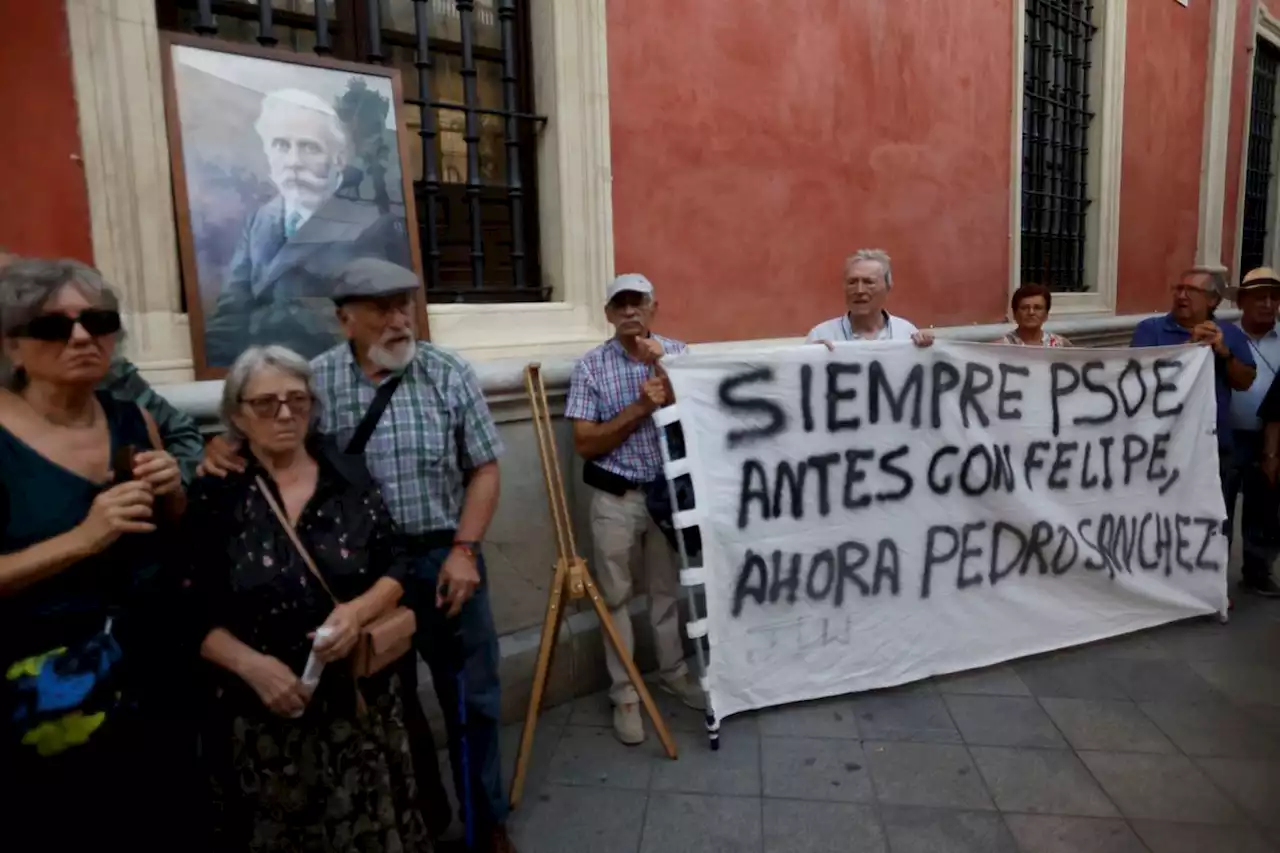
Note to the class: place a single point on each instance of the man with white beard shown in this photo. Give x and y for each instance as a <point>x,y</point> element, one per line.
<point>433,448</point>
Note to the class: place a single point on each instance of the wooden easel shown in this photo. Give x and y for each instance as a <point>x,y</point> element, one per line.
<point>572,580</point>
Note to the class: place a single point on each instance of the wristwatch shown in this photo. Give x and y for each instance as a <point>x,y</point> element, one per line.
<point>471,549</point>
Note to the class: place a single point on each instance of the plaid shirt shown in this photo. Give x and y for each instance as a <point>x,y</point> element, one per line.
<point>436,427</point>
<point>605,381</point>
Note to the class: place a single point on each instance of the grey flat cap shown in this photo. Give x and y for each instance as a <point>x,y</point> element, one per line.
<point>369,278</point>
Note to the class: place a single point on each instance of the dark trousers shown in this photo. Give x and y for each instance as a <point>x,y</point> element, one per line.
<point>1258,516</point>
<point>466,646</point>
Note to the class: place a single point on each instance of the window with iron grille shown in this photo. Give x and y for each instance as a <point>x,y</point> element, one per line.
<point>468,103</point>
<point>1056,117</point>
<point>1258,189</point>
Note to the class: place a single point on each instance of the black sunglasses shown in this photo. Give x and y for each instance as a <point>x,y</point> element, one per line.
<point>58,327</point>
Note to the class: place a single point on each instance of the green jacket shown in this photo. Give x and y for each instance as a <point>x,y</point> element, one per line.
<point>178,431</point>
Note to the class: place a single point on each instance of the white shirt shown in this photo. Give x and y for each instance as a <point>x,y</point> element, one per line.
<point>1244,404</point>
<point>840,329</point>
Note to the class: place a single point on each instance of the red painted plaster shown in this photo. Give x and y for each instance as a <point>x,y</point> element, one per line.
<point>45,209</point>
<point>756,144</point>
<point>1165,73</point>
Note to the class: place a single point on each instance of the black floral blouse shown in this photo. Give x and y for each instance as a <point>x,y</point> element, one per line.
<point>247,577</point>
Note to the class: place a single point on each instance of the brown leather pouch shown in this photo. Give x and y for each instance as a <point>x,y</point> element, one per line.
<point>384,641</point>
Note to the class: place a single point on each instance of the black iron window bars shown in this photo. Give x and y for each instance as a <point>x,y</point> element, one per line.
<point>1056,115</point>
<point>1258,174</point>
<point>465,68</point>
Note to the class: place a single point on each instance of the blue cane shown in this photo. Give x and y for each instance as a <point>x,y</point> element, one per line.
<point>464,750</point>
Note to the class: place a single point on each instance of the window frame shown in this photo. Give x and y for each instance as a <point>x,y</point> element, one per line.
<point>1105,138</point>
<point>1266,28</point>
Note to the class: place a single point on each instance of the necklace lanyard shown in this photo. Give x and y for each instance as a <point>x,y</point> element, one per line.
<point>1261,357</point>
<point>847,328</point>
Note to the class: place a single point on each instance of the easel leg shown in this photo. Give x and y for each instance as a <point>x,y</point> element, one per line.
<point>546,648</point>
<point>606,624</point>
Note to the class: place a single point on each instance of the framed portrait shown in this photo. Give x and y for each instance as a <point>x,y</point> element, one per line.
<point>286,168</point>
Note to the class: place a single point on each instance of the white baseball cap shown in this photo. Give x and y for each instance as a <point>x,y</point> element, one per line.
<point>629,283</point>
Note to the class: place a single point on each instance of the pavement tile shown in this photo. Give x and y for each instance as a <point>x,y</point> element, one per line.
<point>815,769</point>
<point>829,718</point>
<point>1255,785</point>
<point>1163,681</point>
<point>1069,678</point>
<point>919,830</point>
<point>1053,834</point>
<point>1213,729</point>
<point>1160,787</point>
<point>587,755</point>
<point>1041,781</point>
<point>1106,724</point>
<point>695,823</point>
<point>607,820</point>
<point>926,774</point>
<point>1243,682</point>
<point>1189,838</point>
<point>1000,680</point>
<point>795,826</point>
<point>1004,721</point>
<point>905,715</point>
<point>734,769</point>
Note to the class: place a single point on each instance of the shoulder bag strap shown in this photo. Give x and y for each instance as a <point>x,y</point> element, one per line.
<point>293,536</point>
<point>370,420</point>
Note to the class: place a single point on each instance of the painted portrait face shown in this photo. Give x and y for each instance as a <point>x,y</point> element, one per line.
<point>304,149</point>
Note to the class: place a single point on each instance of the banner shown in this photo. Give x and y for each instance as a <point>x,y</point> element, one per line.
<point>883,513</point>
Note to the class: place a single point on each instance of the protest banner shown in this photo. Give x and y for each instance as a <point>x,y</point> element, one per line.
<point>881,513</point>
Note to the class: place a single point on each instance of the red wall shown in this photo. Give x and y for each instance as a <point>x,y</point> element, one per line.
<point>44,207</point>
<point>1165,76</point>
<point>757,143</point>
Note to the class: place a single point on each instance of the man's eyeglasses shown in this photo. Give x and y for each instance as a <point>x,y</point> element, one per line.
<point>269,405</point>
<point>1188,290</point>
<point>57,328</point>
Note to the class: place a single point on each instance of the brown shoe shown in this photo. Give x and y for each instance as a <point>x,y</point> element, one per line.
<point>500,842</point>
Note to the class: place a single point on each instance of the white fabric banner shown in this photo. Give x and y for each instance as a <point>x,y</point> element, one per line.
<point>881,513</point>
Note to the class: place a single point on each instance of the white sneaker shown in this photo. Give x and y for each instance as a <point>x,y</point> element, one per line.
<point>686,690</point>
<point>627,724</point>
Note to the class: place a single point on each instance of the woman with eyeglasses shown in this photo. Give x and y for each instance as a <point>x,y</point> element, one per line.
<point>298,766</point>
<point>1030,305</point>
<point>86,493</point>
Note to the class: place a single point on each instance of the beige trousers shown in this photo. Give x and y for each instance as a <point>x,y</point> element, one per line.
<point>624,535</point>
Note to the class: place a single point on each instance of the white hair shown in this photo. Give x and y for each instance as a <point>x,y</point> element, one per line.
<point>249,364</point>
<point>296,101</point>
<point>880,256</point>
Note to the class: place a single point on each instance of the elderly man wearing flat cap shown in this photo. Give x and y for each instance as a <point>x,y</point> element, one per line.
<point>614,390</point>
<point>419,416</point>
<point>1258,297</point>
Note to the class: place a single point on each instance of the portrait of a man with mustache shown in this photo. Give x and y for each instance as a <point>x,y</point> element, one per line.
<point>281,275</point>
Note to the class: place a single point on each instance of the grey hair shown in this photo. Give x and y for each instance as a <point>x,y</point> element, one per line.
<point>247,366</point>
<point>880,256</point>
<point>297,100</point>
<point>1216,279</point>
<point>27,285</point>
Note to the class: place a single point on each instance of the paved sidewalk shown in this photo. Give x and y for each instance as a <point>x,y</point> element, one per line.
<point>1165,741</point>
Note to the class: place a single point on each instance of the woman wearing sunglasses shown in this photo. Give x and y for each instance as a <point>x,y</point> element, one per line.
<point>84,494</point>
<point>298,765</point>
